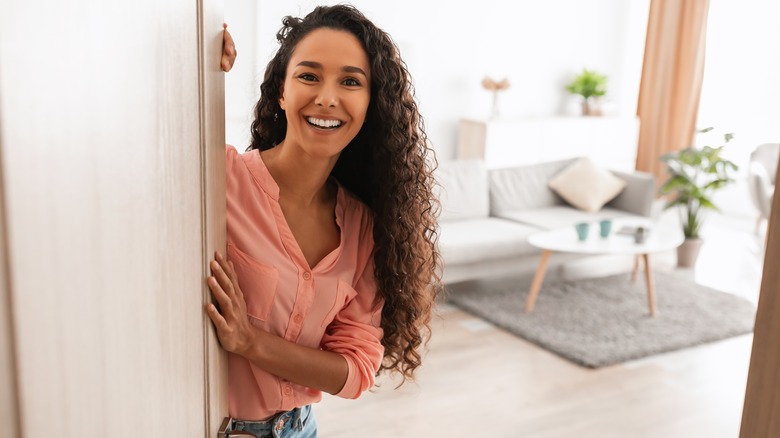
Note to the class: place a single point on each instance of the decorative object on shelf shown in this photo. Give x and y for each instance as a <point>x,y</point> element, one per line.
<point>590,86</point>
<point>694,174</point>
<point>495,87</point>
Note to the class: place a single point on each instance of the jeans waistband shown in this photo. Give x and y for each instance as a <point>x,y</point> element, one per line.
<point>296,416</point>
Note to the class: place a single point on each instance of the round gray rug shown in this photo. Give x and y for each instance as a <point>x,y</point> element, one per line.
<point>603,321</point>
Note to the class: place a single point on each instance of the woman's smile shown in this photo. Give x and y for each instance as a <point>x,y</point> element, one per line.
<point>323,123</point>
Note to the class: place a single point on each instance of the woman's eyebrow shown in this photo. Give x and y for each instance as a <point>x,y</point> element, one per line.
<point>351,69</point>
<point>310,64</point>
<point>346,68</point>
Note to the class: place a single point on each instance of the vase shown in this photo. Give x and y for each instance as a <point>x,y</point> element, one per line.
<point>494,113</point>
<point>591,106</point>
<point>688,252</point>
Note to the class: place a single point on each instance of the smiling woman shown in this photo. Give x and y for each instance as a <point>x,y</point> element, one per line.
<point>332,267</point>
<point>325,94</point>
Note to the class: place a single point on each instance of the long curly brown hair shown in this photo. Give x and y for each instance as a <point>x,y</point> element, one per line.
<point>389,166</point>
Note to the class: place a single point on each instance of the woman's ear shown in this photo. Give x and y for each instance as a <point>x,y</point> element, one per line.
<point>282,104</point>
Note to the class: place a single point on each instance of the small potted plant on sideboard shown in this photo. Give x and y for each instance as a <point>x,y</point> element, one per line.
<point>590,86</point>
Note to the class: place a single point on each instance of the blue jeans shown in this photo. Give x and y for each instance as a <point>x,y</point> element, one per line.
<point>297,423</point>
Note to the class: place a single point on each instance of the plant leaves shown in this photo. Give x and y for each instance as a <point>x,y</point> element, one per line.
<point>676,183</point>
<point>588,83</point>
<point>706,203</point>
<point>694,173</point>
<point>717,184</point>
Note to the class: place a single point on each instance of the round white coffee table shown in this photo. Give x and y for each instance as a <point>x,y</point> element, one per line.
<point>659,239</point>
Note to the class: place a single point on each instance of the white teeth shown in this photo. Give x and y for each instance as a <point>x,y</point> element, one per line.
<point>321,123</point>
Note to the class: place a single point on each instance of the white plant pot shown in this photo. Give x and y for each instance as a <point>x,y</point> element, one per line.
<point>688,252</point>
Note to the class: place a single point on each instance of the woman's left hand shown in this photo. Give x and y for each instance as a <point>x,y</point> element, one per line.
<point>228,50</point>
<point>234,331</point>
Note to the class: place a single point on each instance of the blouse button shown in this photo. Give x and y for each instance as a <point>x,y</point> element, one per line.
<point>306,275</point>
<point>298,318</point>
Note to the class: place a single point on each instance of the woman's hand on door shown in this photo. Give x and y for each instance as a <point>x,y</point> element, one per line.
<point>228,50</point>
<point>234,331</point>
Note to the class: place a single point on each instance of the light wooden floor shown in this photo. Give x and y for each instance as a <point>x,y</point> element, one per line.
<point>479,381</point>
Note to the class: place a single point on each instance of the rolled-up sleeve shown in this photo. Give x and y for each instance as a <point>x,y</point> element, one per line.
<point>355,332</point>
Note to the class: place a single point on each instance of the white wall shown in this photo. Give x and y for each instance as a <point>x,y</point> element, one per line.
<point>741,89</point>
<point>242,85</point>
<point>449,48</point>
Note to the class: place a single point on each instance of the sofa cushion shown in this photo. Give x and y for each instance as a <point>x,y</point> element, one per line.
<point>477,240</point>
<point>639,195</point>
<point>586,186</point>
<point>560,216</point>
<point>463,189</point>
<point>524,187</point>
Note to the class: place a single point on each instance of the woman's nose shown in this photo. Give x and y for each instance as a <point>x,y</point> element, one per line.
<point>327,96</point>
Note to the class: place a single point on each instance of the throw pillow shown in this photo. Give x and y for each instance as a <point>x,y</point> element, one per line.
<point>586,186</point>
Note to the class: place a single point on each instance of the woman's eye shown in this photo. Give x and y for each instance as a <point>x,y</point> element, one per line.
<point>307,77</point>
<point>351,82</point>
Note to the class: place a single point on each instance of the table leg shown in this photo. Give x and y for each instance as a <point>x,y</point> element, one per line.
<point>636,268</point>
<point>649,281</point>
<point>538,279</point>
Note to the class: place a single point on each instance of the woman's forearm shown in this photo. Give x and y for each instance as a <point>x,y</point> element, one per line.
<point>314,368</point>
<point>311,367</point>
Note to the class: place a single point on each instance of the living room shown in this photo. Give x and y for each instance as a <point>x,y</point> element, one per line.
<point>478,378</point>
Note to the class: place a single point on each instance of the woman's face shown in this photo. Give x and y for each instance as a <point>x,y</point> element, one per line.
<point>326,92</point>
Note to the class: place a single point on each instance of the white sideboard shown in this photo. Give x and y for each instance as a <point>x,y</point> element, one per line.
<point>609,141</point>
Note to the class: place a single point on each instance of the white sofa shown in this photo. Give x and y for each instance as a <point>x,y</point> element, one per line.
<point>487,216</point>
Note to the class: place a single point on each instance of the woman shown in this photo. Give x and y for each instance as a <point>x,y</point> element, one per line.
<point>333,268</point>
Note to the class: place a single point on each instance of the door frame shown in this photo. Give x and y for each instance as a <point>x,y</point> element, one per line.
<point>9,398</point>
<point>211,102</point>
<point>762,394</point>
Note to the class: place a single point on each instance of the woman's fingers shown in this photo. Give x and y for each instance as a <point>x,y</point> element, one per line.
<point>227,280</point>
<point>229,52</point>
<point>226,64</point>
<point>230,45</point>
<point>218,270</point>
<point>231,321</point>
<point>216,318</point>
<point>231,272</point>
<point>224,301</point>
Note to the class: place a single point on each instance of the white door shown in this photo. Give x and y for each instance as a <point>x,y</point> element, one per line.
<point>112,188</point>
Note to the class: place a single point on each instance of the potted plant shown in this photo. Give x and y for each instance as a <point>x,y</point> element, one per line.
<point>695,173</point>
<point>590,85</point>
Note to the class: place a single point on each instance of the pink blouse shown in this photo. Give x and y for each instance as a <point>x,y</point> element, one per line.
<point>331,306</point>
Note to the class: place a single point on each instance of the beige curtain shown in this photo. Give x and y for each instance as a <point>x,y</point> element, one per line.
<point>671,80</point>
